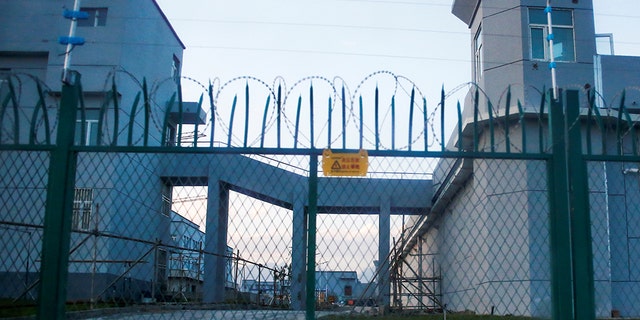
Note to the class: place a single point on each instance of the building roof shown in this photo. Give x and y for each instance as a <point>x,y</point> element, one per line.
<point>465,10</point>
<point>168,23</point>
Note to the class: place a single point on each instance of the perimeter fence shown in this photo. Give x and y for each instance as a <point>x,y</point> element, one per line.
<point>136,204</point>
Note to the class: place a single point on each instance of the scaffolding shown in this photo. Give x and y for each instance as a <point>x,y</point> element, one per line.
<point>416,280</point>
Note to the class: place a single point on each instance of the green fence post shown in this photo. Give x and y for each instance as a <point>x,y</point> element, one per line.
<point>559,221</point>
<point>582,254</point>
<point>57,220</point>
<point>311,238</point>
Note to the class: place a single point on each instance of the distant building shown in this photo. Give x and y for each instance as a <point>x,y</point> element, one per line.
<point>186,264</point>
<point>186,267</point>
<point>340,286</point>
<point>331,287</point>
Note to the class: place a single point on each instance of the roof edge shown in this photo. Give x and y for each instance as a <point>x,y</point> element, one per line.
<point>465,10</point>
<point>168,23</point>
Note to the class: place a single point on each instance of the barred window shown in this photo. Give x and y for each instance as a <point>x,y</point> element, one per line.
<point>166,206</point>
<point>82,208</point>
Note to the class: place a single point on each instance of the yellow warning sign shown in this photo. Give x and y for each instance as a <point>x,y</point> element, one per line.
<point>345,164</point>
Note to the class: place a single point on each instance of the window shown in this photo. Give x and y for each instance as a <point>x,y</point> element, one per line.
<point>82,204</point>
<point>166,200</point>
<point>97,17</point>
<point>90,137</point>
<point>477,55</point>
<point>175,69</point>
<point>563,38</point>
<point>348,291</point>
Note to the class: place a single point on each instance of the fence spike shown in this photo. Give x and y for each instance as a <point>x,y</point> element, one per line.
<point>213,115</point>
<point>116,112</point>
<point>602,129</point>
<point>424,123</point>
<point>361,123</point>
<point>233,112</point>
<point>295,134</point>
<point>344,119</point>
<point>101,113</point>
<point>147,111</point>
<point>132,117</point>
<point>246,114</point>
<point>619,123</point>
<point>312,133</point>
<point>167,113</point>
<point>632,129</point>
<point>180,115</point>
<point>442,96</point>
<point>522,126</point>
<point>590,101</point>
<point>195,129</point>
<point>3,107</point>
<point>83,118</point>
<point>507,121</point>
<point>475,120</point>
<point>491,131</point>
<point>14,102</point>
<point>413,95</point>
<point>278,120</point>
<point>459,110</point>
<point>376,109</point>
<point>393,122</point>
<point>264,120</point>
<point>330,120</point>
<point>40,105</point>
<point>543,101</point>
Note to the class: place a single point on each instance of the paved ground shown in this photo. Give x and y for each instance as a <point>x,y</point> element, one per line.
<point>215,314</point>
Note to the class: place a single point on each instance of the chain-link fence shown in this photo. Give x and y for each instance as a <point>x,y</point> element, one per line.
<point>614,206</point>
<point>166,228</point>
<point>486,250</point>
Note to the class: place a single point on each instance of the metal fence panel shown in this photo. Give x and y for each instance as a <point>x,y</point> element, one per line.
<point>23,190</point>
<point>173,229</point>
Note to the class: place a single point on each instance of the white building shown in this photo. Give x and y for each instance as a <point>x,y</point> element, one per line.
<point>489,225</point>
<point>186,262</point>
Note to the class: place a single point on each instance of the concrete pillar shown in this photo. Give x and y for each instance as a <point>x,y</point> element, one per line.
<point>299,253</point>
<point>215,241</point>
<point>384,225</point>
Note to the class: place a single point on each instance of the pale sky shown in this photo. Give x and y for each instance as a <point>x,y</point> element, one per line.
<point>421,40</point>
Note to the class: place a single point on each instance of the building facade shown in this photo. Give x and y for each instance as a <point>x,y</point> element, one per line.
<point>122,39</point>
<point>506,268</point>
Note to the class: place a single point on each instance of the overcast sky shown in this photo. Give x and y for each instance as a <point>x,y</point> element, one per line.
<point>421,40</point>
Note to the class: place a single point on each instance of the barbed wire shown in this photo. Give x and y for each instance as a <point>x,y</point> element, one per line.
<point>399,86</point>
